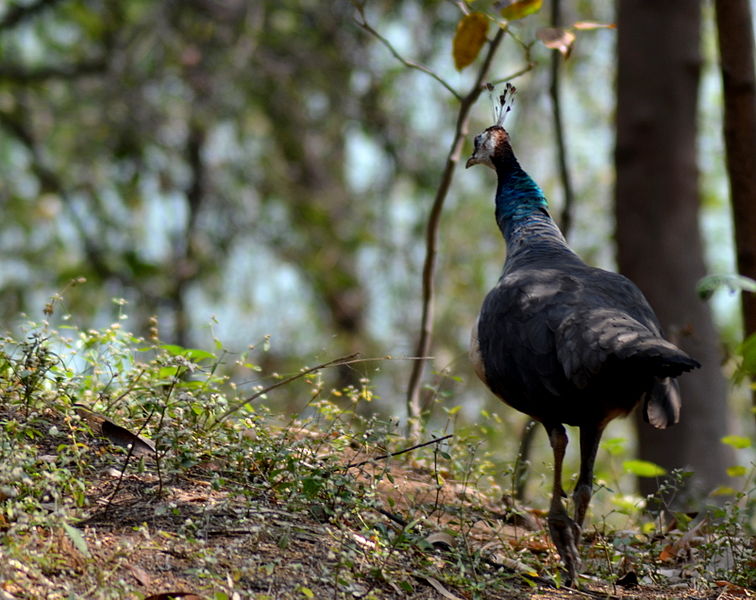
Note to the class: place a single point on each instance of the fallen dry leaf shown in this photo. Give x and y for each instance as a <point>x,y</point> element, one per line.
<point>436,585</point>
<point>440,539</point>
<point>140,575</point>
<point>115,433</point>
<point>733,588</point>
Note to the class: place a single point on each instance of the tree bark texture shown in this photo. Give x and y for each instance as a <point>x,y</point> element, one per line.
<point>736,51</point>
<point>658,237</point>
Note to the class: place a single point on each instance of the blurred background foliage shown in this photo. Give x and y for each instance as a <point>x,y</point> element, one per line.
<point>251,169</point>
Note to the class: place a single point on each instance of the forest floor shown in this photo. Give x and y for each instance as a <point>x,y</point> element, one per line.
<point>392,527</point>
<point>185,484</point>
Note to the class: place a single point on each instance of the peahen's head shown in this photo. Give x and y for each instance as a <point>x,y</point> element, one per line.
<point>492,147</point>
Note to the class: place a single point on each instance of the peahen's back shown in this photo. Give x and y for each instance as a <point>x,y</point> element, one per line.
<point>565,342</point>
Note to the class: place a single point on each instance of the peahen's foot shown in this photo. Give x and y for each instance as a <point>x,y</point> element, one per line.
<point>565,534</point>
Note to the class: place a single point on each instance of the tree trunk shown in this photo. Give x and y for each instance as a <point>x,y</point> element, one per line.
<point>736,49</point>
<point>658,238</point>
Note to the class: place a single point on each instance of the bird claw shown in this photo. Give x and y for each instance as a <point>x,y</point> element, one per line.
<point>565,534</point>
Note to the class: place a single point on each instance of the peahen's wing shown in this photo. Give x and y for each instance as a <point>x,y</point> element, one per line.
<point>516,337</point>
<point>611,326</point>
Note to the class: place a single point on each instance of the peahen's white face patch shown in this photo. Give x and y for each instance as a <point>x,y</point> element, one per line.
<point>485,147</point>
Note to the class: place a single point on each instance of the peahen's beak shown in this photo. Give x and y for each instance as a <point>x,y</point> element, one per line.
<point>471,161</point>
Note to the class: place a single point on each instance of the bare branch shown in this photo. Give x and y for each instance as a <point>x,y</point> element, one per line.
<point>362,22</point>
<point>431,247</point>
<point>522,462</point>
<point>528,67</point>
<point>565,222</point>
<point>434,219</point>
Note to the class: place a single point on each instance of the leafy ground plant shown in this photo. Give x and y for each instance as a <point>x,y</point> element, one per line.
<point>131,468</point>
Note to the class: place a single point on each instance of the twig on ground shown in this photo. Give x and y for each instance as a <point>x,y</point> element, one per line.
<point>344,360</point>
<point>349,359</point>
<point>392,517</point>
<point>129,454</point>
<point>392,454</point>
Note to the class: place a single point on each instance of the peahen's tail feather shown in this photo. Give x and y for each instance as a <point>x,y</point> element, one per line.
<point>662,358</point>
<point>661,406</point>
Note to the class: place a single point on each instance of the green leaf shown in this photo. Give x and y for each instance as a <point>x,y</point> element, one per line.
<point>649,527</point>
<point>736,441</point>
<point>737,471</point>
<point>306,592</point>
<point>311,486</point>
<point>194,354</point>
<point>628,505</point>
<point>614,446</point>
<point>643,468</point>
<point>519,9</point>
<point>77,538</point>
<point>167,372</point>
<point>469,39</point>
<point>173,349</point>
<point>193,385</point>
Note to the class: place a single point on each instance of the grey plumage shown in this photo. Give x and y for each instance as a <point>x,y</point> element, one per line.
<point>564,342</point>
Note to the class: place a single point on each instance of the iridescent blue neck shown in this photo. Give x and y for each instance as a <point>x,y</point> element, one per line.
<point>519,200</point>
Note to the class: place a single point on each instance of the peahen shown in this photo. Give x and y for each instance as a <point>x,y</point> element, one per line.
<point>564,342</point>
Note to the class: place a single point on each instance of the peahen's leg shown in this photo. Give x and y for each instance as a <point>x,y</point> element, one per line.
<point>564,532</point>
<point>590,435</point>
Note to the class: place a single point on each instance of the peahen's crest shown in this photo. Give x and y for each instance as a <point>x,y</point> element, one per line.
<point>503,103</point>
